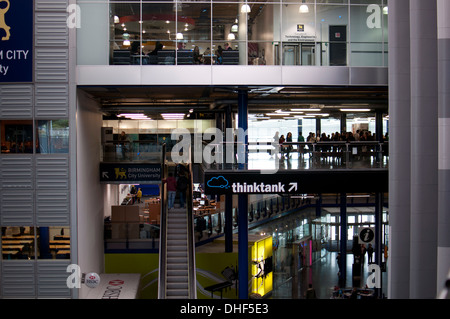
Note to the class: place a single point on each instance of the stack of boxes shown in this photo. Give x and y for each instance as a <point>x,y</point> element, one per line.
<point>153,206</point>
<point>125,222</point>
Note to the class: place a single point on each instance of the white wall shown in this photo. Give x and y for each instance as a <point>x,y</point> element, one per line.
<point>90,191</point>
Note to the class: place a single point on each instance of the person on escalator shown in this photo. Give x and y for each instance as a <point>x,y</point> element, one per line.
<point>171,189</point>
<point>182,184</point>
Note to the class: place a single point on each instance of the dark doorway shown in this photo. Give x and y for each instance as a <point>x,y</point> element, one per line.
<point>338,45</point>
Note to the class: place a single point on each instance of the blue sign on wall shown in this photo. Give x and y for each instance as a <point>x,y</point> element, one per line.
<point>16,40</point>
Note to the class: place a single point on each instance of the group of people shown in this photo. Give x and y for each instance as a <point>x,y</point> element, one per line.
<point>177,184</point>
<point>363,136</point>
<point>284,149</point>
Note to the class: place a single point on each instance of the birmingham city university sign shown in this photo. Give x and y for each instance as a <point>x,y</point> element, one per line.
<point>16,41</point>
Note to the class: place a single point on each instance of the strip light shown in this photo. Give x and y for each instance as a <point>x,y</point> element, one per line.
<point>173,116</point>
<point>134,116</point>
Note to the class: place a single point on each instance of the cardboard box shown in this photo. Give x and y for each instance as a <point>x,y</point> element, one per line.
<point>132,213</point>
<point>133,230</point>
<point>118,231</point>
<point>118,213</point>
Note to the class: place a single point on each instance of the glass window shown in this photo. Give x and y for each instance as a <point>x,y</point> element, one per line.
<point>16,136</point>
<point>18,242</point>
<point>52,136</point>
<point>53,242</point>
<point>125,37</point>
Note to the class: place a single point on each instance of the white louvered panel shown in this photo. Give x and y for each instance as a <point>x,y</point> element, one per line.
<point>52,65</point>
<point>16,101</point>
<point>52,172</point>
<point>18,279</point>
<point>16,171</point>
<point>52,208</point>
<point>51,5</point>
<point>16,207</point>
<point>51,29</point>
<point>52,279</point>
<point>51,101</point>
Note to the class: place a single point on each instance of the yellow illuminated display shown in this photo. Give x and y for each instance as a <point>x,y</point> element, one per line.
<point>262,274</point>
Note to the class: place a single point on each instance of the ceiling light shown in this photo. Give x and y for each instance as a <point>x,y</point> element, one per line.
<point>234,28</point>
<point>355,110</point>
<point>276,114</point>
<point>245,8</point>
<point>231,36</point>
<point>179,36</point>
<point>126,42</point>
<point>116,19</point>
<point>305,110</point>
<point>173,116</point>
<point>303,8</point>
<point>134,116</point>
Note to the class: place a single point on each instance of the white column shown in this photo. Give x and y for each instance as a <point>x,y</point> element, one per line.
<point>399,149</point>
<point>443,261</point>
<point>424,149</point>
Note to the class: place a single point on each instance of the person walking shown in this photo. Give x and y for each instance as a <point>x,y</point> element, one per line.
<point>370,253</point>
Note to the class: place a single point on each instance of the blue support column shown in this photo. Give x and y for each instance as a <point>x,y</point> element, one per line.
<point>228,197</point>
<point>44,240</point>
<point>243,199</point>
<point>343,240</point>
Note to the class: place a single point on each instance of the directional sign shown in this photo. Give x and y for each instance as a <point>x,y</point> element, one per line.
<point>366,235</point>
<point>125,173</point>
<point>295,181</point>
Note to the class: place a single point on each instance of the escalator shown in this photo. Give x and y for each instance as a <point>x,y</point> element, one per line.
<point>177,278</point>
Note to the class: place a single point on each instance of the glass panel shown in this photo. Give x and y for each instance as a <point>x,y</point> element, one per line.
<point>230,34</point>
<point>18,242</point>
<point>94,47</point>
<point>367,30</point>
<point>297,28</point>
<point>16,136</point>
<point>125,33</point>
<point>52,136</point>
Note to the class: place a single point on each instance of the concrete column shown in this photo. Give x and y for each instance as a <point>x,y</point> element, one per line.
<point>424,149</point>
<point>444,143</point>
<point>399,149</point>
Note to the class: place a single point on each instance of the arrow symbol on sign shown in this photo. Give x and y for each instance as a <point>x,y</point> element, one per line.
<point>105,175</point>
<point>293,185</point>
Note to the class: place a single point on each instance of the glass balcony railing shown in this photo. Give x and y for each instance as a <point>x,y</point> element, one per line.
<point>304,155</point>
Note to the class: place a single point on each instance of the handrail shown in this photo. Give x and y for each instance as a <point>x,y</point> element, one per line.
<point>163,230</point>
<point>192,278</point>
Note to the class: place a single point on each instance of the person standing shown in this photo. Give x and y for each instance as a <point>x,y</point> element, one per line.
<point>182,185</point>
<point>370,253</point>
<point>139,195</point>
<point>125,144</point>
<point>171,189</point>
<point>310,293</point>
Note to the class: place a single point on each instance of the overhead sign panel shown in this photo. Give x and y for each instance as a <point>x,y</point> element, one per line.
<point>129,173</point>
<point>16,41</point>
<point>296,182</point>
